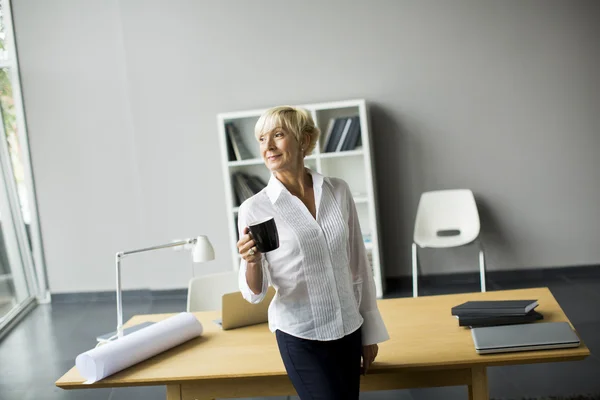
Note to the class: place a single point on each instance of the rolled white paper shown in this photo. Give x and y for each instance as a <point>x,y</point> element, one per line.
<point>138,346</point>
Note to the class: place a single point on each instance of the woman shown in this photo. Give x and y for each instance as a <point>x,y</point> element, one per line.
<point>324,312</point>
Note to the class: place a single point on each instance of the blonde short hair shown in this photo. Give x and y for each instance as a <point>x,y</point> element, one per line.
<point>295,120</point>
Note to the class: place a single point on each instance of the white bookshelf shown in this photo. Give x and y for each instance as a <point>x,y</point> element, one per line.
<point>354,166</point>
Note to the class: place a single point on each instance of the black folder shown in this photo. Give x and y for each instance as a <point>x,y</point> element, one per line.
<point>495,307</point>
<point>494,320</point>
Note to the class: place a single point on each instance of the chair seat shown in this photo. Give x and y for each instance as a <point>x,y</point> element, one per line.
<point>461,239</point>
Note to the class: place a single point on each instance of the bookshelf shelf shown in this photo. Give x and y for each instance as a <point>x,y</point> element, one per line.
<point>253,161</point>
<point>337,154</point>
<point>354,164</point>
<point>257,161</point>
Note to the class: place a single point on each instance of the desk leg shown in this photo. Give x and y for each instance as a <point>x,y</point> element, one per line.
<point>173,392</point>
<point>478,389</point>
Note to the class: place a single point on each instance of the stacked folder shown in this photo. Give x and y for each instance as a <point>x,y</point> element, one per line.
<point>496,312</point>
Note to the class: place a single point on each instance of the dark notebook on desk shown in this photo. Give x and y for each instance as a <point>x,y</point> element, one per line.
<point>494,320</point>
<point>495,307</point>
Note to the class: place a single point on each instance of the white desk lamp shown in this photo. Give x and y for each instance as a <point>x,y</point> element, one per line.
<point>201,249</point>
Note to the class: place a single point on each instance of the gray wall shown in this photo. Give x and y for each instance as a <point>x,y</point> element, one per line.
<point>498,96</point>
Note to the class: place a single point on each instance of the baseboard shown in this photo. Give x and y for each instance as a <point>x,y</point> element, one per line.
<point>505,276</point>
<point>111,296</point>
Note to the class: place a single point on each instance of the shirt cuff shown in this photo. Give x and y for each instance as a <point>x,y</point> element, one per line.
<point>247,293</point>
<point>253,298</point>
<point>373,329</point>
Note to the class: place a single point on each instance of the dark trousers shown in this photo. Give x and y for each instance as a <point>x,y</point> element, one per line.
<point>328,370</point>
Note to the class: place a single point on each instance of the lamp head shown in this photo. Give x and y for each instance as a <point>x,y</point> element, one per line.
<point>202,250</point>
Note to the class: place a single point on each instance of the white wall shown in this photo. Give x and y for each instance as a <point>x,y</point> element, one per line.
<point>122,96</point>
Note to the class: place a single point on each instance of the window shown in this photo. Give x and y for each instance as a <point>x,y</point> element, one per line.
<point>22,269</point>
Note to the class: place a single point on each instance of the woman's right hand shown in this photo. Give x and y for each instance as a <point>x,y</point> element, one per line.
<point>247,248</point>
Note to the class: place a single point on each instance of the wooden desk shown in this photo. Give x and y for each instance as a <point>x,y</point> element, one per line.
<point>427,348</point>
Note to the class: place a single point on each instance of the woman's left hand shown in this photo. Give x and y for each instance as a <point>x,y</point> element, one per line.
<point>369,352</point>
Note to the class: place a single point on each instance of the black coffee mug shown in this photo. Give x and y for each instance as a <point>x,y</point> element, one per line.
<point>264,233</point>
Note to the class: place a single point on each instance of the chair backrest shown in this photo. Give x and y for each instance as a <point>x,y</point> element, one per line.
<point>446,218</point>
<point>205,292</point>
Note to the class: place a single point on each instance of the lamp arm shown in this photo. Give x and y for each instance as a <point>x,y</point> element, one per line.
<point>161,246</point>
<point>118,258</point>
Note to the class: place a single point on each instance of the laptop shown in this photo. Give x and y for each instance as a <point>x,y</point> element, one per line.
<point>533,336</point>
<point>237,312</point>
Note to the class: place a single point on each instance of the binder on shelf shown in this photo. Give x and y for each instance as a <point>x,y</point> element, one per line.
<point>353,135</point>
<point>325,138</point>
<point>239,147</point>
<point>246,186</point>
<point>255,183</point>
<point>343,134</point>
<point>336,133</point>
<point>347,124</point>
<point>242,189</point>
<point>230,152</point>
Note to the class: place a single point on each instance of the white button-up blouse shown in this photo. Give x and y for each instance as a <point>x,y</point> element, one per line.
<point>324,284</point>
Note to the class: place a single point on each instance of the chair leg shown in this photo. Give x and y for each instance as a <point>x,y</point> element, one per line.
<point>415,281</point>
<point>482,267</point>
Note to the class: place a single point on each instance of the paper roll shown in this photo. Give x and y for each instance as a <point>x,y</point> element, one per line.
<point>98,363</point>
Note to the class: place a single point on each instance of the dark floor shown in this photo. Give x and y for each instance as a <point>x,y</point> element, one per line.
<point>44,345</point>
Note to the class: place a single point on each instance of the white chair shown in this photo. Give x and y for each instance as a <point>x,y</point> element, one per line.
<point>205,292</point>
<point>446,218</point>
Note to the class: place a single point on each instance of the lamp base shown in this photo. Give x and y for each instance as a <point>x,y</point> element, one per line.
<point>113,335</point>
